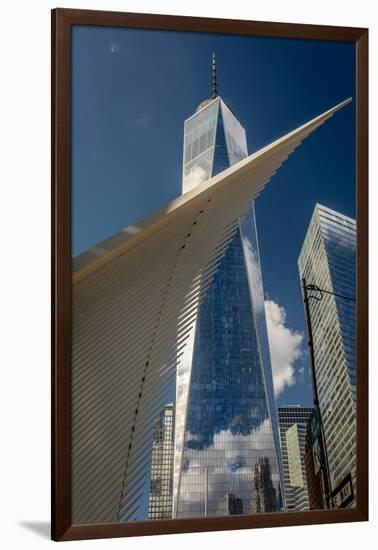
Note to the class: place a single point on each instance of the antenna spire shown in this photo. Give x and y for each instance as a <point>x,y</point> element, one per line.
<point>214,91</point>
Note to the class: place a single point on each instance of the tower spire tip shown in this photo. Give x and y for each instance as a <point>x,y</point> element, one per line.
<point>214,90</point>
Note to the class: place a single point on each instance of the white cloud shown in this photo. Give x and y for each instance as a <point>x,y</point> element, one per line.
<point>143,120</point>
<point>196,176</point>
<point>113,47</point>
<point>284,344</point>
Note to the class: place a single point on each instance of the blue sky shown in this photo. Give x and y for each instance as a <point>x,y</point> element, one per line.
<point>132,91</point>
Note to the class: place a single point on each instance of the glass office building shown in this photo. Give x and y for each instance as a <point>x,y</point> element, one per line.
<point>294,422</point>
<point>160,499</point>
<point>227,454</point>
<point>328,260</point>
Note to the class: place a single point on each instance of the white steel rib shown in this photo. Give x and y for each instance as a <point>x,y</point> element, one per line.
<point>135,298</point>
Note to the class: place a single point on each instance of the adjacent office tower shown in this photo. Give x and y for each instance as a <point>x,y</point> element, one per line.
<point>160,500</point>
<point>294,421</point>
<point>328,260</point>
<point>227,454</point>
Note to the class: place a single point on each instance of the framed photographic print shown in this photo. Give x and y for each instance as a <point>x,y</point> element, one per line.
<point>210,364</point>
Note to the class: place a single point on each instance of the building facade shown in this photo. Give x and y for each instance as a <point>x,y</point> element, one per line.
<point>314,479</point>
<point>160,499</point>
<point>328,261</point>
<point>294,423</point>
<point>227,453</point>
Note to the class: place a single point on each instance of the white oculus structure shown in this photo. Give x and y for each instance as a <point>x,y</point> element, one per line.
<point>135,298</point>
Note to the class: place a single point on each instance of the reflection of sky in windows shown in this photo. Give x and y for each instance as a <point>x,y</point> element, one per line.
<point>328,260</point>
<point>199,143</point>
<point>228,467</point>
<point>227,462</point>
<point>340,243</point>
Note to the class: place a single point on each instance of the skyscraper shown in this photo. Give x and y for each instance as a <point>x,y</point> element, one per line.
<point>328,261</point>
<point>294,422</point>
<point>160,500</point>
<point>135,298</point>
<point>227,455</point>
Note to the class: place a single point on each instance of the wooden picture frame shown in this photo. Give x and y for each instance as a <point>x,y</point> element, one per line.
<point>62,21</point>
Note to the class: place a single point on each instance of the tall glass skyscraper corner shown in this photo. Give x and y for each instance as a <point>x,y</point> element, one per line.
<point>328,260</point>
<point>227,452</point>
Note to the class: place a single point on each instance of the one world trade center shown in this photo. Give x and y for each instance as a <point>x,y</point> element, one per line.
<point>227,453</point>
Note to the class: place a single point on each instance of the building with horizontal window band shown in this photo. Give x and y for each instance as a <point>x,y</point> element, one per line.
<point>160,499</point>
<point>328,261</point>
<point>294,424</point>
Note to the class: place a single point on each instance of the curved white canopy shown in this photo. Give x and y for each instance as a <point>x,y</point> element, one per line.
<point>135,299</point>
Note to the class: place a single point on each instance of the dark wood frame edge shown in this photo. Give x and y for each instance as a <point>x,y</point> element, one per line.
<point>62,19</point>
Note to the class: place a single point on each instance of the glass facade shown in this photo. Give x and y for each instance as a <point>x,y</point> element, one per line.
<point>227,454</point>
<point>294,422</point>
<point>328,260</point>
<point>160,499</point>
